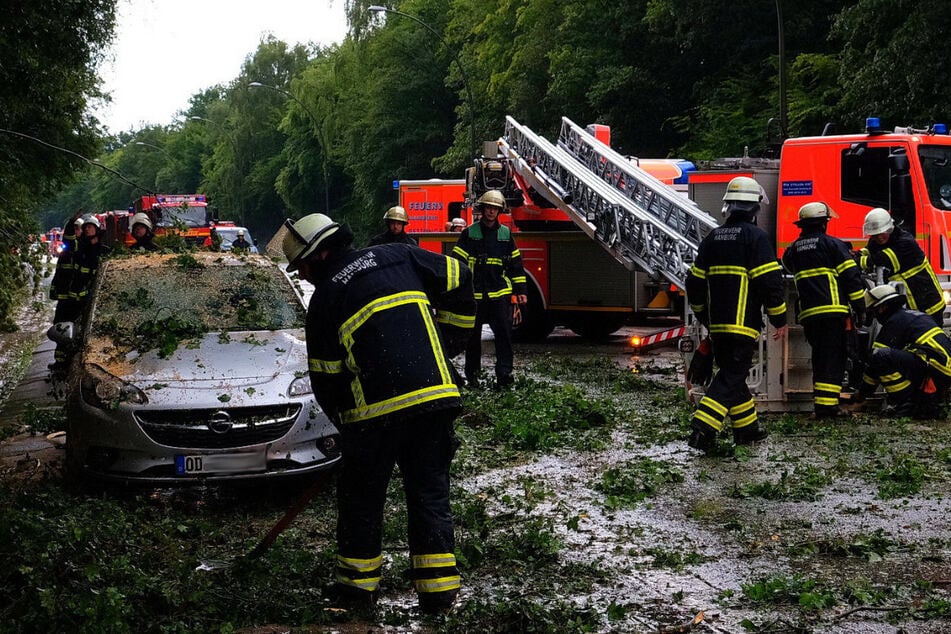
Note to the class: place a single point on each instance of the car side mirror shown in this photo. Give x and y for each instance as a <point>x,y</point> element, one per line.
<point>62,332</point>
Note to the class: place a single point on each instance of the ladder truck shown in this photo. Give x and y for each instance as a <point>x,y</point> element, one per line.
<point>602,240</point>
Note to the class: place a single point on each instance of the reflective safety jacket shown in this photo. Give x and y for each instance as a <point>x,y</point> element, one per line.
<point>382,325</point>
<point>86,267</point>
<point>827,278</point>
<point>495,261</point>
<point>65,265</point>
<point>905,262</point>
<point>735,275</point>
<point>917,333</point>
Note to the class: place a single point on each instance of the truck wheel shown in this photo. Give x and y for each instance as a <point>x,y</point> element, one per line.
<point>536,322</point>
<point>597,326</point>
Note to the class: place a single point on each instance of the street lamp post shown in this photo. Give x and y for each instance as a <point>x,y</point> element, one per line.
<point>782,69</point>
<point>462,71</point>
<point>236,196</point>
<point>317,128</point>
<point>157,147</point>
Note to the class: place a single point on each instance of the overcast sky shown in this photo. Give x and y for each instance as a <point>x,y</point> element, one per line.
<point>165,51</point>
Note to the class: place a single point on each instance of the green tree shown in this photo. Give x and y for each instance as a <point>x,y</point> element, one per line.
<point>892,61</point>
<point>50,52</point>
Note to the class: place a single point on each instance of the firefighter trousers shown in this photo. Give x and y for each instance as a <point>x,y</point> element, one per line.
<point>422,447</point>
<point>827,338</point>
<point>498,314</point>
<point>900,372</point>
<point>728,394</point>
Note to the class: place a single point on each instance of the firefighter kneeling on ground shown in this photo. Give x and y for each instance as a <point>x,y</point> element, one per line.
<point>911,358</point>
<point>381,329</point>
<point>733,277</point>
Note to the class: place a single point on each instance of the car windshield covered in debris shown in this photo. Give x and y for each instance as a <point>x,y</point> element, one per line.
<point>194,367</point>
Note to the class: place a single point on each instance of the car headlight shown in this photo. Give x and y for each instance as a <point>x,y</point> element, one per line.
<point>105,391</point>
<point>300,387</point>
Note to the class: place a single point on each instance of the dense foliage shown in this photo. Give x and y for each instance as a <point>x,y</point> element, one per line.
<point>307,128</point>
<point>49,52</point>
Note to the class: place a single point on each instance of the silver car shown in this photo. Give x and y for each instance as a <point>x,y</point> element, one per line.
<point>193,368</point>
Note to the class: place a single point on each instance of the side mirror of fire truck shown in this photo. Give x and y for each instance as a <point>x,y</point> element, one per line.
<point>902,198</point>
<point>898,161</point>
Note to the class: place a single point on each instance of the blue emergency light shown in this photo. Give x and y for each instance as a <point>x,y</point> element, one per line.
<point>873,125</point>
<point>940,128</point>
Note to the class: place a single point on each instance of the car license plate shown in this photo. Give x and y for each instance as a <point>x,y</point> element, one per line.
<point>198,464</point>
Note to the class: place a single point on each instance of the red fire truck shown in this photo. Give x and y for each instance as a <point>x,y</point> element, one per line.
<point>187,215</point>
<point>573,280</point>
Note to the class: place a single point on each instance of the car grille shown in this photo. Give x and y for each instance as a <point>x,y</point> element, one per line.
<point>210,429</point>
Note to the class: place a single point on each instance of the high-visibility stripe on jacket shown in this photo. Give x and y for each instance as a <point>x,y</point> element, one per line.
<point>917,333</point>
<point>85,268</point>
<point>494,259</point>
<point>905,262</point>
<point>378,326</point>
<point>65,265</point>
<point>736,273</point>
<point>827,278</point>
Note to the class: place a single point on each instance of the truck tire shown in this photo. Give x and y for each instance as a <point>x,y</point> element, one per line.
<point>596,326</point>
<point>536,322</point>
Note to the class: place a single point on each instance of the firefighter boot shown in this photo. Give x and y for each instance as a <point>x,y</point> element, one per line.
<point>702,437</point>
<point>352,599</point>
<point>830,412</point>
<point>436,602</point>
<point>902,409</point>
<point>749,434</point>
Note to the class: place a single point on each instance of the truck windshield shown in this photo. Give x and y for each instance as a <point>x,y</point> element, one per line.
<point>191,216</point>
<point>936,166</point>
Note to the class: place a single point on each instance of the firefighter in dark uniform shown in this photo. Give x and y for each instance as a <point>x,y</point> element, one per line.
<point>489,249</point>
<point>396,221</point>
<point>897,250</point>
<point>67,308</point>
<point>142,232</point>
<point>828,282</point>
<point>90,250</point>
<point>734,276</point>
<point>911,357</point>
<point>382,325</point>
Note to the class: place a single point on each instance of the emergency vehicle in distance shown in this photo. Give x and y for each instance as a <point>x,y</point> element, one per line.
<point>188,215</point>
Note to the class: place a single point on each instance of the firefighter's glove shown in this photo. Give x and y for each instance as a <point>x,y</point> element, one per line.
<point>862,258</point>
<point>700,371</point>
<point>516,314</point>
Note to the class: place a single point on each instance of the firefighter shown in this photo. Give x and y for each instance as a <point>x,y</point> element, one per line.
<point>89,251</point>
<point>381,329</point>
<point>896,250</point>
<point>490,251</point>
<point>240,244</point>
<point>142,231</point>
<point>911,357</point>
<point>67,308</point>
<point>734,276</point>
<point>457,225</point>
<point>395,220</point>
<point>828,283</point>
